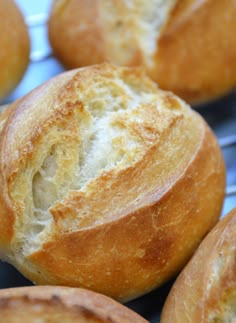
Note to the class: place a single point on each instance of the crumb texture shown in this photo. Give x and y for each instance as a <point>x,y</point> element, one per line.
<point>103,145</point>
<point>226,313</point>
<point>133,25</point>
<point>107,128</point>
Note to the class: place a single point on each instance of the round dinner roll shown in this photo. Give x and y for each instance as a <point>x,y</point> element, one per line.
<point>186,46</point>
<point>107,182</point>
<point>56,304</point>
<point>205,291</point>
<point>14,47</point>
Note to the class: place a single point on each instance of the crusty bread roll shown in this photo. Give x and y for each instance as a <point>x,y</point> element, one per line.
<point>187,46</point>
<point>56,304</point>
<point>205,291</point>
<point>14,46</point>
<point>107,182</point>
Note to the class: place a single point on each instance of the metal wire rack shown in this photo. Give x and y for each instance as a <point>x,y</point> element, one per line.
<point>226,142</point>
<point>41,54</point>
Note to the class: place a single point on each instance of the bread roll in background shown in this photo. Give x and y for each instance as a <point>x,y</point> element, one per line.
<point>205,291</point>
<point>61,304</point>
<point>107,182</point>
<point>14,47</point>
<point>188,47</point>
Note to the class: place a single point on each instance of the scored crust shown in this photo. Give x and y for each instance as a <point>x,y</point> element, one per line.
<point>96,30</point>
<point>107,182</point>
<point>55,303</point>
<point>205,291</point>
<point>188,47</point>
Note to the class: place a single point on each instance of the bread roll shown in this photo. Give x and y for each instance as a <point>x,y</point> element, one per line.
<point>14,47</point>
<point>186,46</point>
<point>205,291</point>
<point>107,182</point>
<point>61,304</point>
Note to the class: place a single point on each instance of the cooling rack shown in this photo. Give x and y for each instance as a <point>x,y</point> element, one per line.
<point>220,115</point>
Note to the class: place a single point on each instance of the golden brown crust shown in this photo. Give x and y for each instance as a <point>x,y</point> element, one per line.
<point>88,33</point>
<point>193,52</point>
<point>197,50</point>
<point>15,47</point>
<point>205,291</point>
<point>139,214</point>
<point>157,242</point>
<point>10,152</point>
<point>54,304</point>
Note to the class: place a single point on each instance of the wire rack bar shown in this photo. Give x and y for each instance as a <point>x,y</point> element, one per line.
<point>227,141</point>
<point>40,56</point>
<point>36,20</point>
<point>231,190</point>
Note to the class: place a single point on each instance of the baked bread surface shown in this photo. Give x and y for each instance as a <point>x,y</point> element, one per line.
<point>14,47</point>
<point>61,304</point>
<point>188,47</point>
<point>107,182</point>
<point>205,291</point>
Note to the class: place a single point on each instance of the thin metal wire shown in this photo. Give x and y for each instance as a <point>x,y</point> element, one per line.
<point>36,20</point>
<point>227,141</point>
<point>33,21</point>
<point>40,56</point>
<point>231,190</point>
